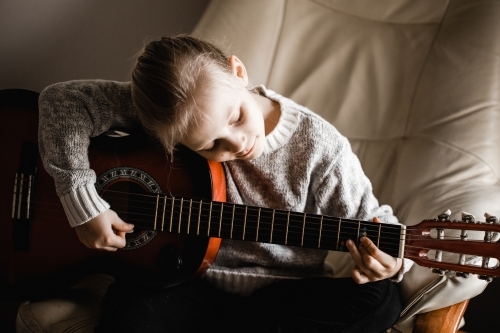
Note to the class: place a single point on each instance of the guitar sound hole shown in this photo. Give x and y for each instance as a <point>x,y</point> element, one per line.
<point>133,204</point>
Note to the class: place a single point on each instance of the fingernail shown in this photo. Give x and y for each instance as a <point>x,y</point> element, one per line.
<point>129,232</point>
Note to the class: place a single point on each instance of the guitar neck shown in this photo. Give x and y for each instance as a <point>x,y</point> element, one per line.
<point>257,224</point>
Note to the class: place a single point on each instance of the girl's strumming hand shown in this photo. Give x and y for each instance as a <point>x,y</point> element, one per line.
<point>104,232</point>
<point>372,264</point>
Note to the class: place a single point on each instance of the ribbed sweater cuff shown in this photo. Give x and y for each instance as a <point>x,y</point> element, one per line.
<point>83,204</point>
<point>405,267</point>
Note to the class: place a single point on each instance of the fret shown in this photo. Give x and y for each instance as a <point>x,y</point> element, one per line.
<point>338,235</point>
<point>303,230</point>
<point>199,219</point>
<point>378,237</point>
<point>209,218</point>
<point>156,211</point>
<point>272,227</point>
<point>189,215</point>
<point>359,226</point>
<point>245,222</point>
<point>28,199</point>
<point>371,230</point>
<point>220,220</point>
<point>287,225</point>
<point>232,223</point>
<point>350,230</point>
<point>164,209</point>
<point>180,216</point>
<point>320,231</point>
<point>171,214</point>
<point>258,222</point>
<point>390,238</point>
<point>311,225</point>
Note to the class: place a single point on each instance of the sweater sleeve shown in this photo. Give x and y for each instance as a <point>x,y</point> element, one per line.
<point>70,114</point>
<point>345,190</point>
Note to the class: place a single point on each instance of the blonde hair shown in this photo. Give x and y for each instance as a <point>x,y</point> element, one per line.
<point>167,75</point>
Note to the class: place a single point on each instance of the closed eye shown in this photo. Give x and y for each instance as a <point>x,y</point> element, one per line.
<point>214,146</point>
<point>240,116</point>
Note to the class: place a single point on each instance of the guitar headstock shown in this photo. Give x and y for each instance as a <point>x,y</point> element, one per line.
<point>430,244</point>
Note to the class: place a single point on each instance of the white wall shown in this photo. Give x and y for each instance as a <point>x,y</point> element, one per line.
<point>47,41</point>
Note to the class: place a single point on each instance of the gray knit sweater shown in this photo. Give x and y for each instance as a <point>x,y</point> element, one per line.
<point>307,166</point>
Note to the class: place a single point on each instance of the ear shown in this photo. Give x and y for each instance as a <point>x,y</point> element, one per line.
<point>238,69</point>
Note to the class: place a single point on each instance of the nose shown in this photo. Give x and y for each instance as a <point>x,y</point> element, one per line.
<point>236,143</point>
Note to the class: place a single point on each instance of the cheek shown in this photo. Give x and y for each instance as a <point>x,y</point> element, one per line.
<point>215,156</point>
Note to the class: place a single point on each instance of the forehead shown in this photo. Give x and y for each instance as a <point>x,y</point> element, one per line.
<point>211,114</point>
<point>213,106</point>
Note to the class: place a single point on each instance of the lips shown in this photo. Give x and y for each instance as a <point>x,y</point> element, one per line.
<point>249,151</point>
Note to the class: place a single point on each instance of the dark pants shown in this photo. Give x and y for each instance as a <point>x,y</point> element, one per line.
<point>306,305</point>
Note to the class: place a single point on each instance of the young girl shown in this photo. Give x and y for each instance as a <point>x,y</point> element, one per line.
<point>276,154</point>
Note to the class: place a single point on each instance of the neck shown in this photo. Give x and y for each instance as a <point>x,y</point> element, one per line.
<point>271,112</point>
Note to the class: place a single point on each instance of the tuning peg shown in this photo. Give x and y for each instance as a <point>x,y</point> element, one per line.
<point>485,278</point>
<point>468,218</point>
<point>444,216</point>
<point>462,274</point>
<point>491,219</point>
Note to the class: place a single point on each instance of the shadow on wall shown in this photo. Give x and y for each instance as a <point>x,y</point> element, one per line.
<point>44,42</point>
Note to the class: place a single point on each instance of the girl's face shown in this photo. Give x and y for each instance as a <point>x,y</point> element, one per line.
<point>231,126</point>
<point>233,122</point>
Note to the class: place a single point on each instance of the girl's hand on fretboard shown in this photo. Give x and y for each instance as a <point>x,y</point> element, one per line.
<point>372,264</point>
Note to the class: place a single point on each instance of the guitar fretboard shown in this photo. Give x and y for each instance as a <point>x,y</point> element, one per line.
<point>257,224</point>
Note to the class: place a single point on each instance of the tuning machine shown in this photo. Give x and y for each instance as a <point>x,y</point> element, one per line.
<point>468,218</point>
<point>438,271</point>
<point>485,278</point>
<point>444,216</point>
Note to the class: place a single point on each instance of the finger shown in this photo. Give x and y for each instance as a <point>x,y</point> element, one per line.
<point>381,257</point>
<point>369,246</point>
<point>118,242</point>
<point>110,239</point>
<point>370,262</point>
<point>109,249</point>
<point>358,276</point>
<point>356,256</point>
<point>123,226</point>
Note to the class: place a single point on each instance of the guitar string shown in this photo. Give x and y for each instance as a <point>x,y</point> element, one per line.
<point>254,209</point>
<point>407,247</point>
<point>324,238</point>
<point>327,237</point>
<point>264,222</point>
<point>417,255</point>
<point>344,222</point>
<point>282,212</point>
<point>310,217</point>
<point>295,214</point>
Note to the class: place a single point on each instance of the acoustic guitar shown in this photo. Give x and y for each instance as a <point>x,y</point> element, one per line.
<point>180,215</point>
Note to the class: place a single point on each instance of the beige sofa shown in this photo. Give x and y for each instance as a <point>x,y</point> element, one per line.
<point>414,85</point>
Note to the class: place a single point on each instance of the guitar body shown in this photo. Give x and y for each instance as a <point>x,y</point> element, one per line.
<point>39,241</point>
